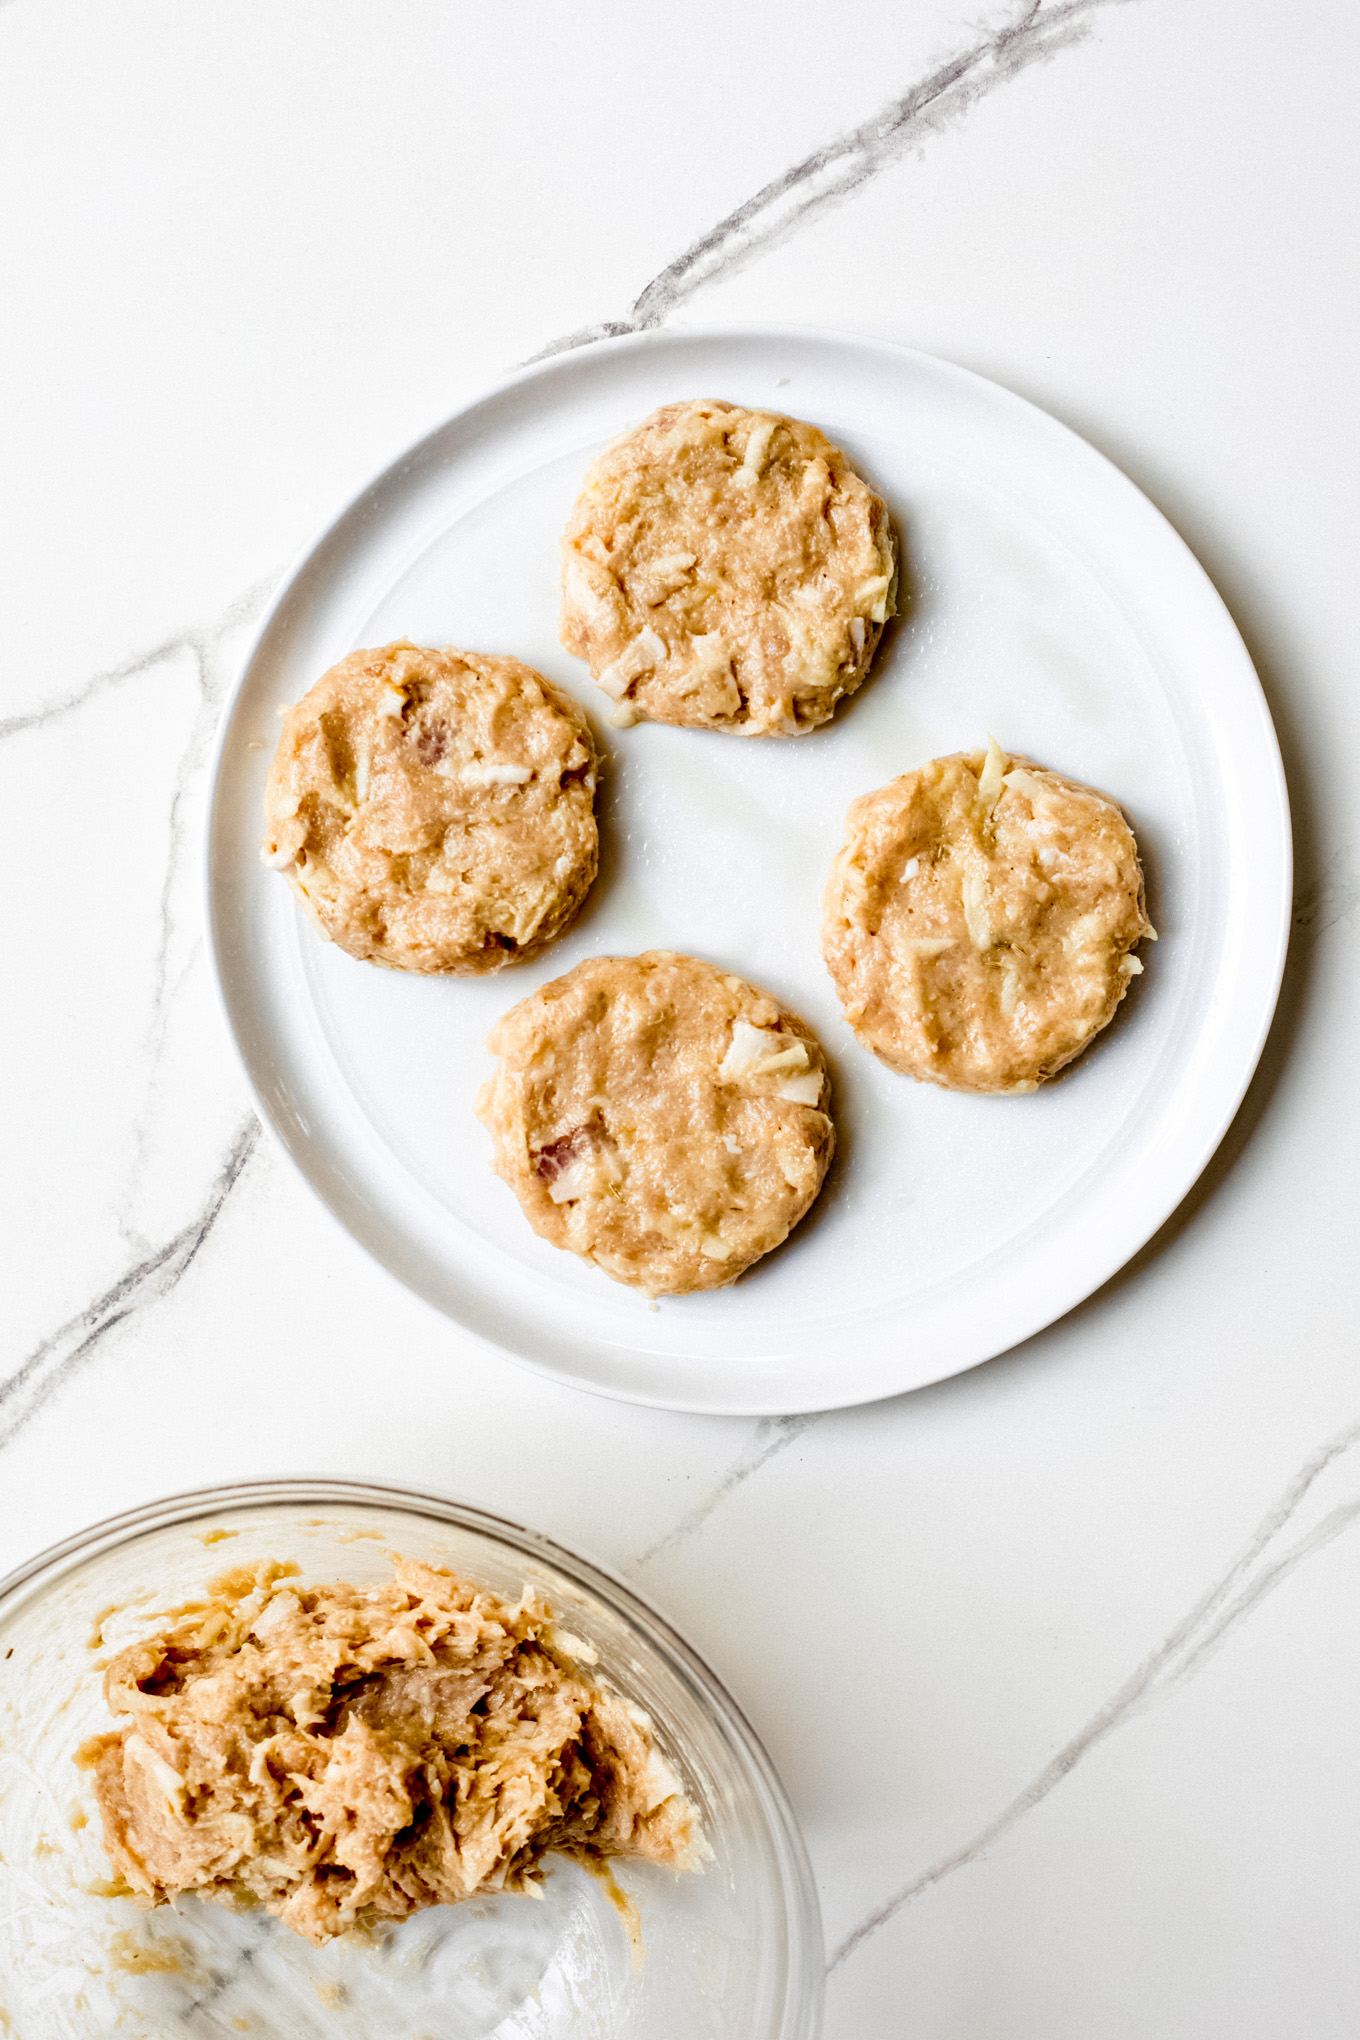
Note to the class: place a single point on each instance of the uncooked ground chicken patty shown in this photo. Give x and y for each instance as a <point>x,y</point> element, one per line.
<point>434,810</point>
<point>345,1754</point>
<point>727,570</point>
<point>980,920</point>
<point>660,1118</point>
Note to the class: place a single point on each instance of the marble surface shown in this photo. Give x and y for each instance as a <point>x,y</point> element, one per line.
<point>1058,1659</point>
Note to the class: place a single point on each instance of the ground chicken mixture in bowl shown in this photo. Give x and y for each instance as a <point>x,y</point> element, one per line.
<point>316,1758</point>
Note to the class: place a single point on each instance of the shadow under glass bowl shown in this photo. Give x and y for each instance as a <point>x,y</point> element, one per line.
<point>733,1952</point>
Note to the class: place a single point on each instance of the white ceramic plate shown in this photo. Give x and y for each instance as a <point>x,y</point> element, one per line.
<point>1051,605</point>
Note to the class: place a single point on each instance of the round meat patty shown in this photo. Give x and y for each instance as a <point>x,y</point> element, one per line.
<point>434,810</point>
<point>659,1117</point>
<point>980,919</point>
<point>726,570</point>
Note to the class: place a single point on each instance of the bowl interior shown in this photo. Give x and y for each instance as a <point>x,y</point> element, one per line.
<point>731,1950</point>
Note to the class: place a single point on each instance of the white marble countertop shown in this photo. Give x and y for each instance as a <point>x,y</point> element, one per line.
<point>1059,1659</point>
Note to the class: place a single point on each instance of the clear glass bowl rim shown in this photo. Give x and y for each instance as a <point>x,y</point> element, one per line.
<point>805,1978</point>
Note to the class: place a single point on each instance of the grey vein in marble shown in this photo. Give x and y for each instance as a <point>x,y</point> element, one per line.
<point>842,167</point>
<point>146,1281</point>
<point>205,644</point>
<point>155,1268</point>
<point>1332,897</point>
<point>772,1436</point>
<point>197,638</point>
<point>1195,1639</point>
<point>90,690</point>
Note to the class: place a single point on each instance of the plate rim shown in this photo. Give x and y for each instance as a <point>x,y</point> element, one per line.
<point>1096,1272</point>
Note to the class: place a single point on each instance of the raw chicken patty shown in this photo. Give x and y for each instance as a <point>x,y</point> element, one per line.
<point>434,810</point>
<point>980,920</point>
<point>727,570</point>
<point>659,1117</point>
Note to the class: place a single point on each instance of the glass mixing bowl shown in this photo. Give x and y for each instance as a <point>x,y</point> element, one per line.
<point>732,1952</point>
